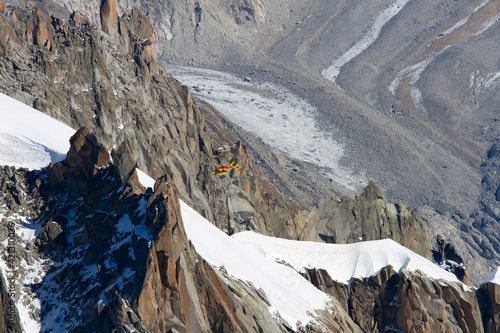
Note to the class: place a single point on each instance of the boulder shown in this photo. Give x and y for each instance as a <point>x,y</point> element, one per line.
<point>109,17</point>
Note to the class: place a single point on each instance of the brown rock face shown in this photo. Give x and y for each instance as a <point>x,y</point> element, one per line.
<point>142,27</point>
<point>179,292</point>
<point>76,17</point>
<point>491,293</point>
<point>123,160</point>
<point>406,301</point>
<point>15,15</point>
<point>109,17</point>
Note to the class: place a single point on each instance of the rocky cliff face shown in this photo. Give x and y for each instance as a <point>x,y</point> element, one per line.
<point>490,293</point>
<point>109,83</point>
<point>184,25</point>
<point>119,256</point>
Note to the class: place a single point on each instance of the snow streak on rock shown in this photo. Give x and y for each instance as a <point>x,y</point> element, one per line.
<point>414,72</point>
<point>277,116</point>
<point>371,36</point>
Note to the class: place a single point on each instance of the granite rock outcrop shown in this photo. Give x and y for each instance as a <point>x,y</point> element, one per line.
<point>367,216</point>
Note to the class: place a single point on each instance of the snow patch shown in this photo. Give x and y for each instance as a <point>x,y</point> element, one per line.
<point>124,225</point>
<point>29,138</point>
<point>488,24</point>
<point>455,27</point>
<point>144,179</point>
<point>494,277</point>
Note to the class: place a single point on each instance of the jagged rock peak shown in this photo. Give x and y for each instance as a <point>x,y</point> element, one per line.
<point>84,159</point>
<point>109,17</point>
<point>373,192</point>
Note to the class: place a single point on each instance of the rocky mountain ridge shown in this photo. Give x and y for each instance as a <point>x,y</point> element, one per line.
<point>120,92</point>
<point>37,69</point>
<point>112,85</point>
<point>120,259</point>
<point>422,158</point>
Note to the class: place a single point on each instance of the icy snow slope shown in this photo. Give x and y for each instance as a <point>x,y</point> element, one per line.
<point>29,138</point>
<point>343,261</point>
<point>289,293</point>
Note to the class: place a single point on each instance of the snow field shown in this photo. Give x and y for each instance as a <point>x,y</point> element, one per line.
<point>289,293</point>
<point>343,261</point>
